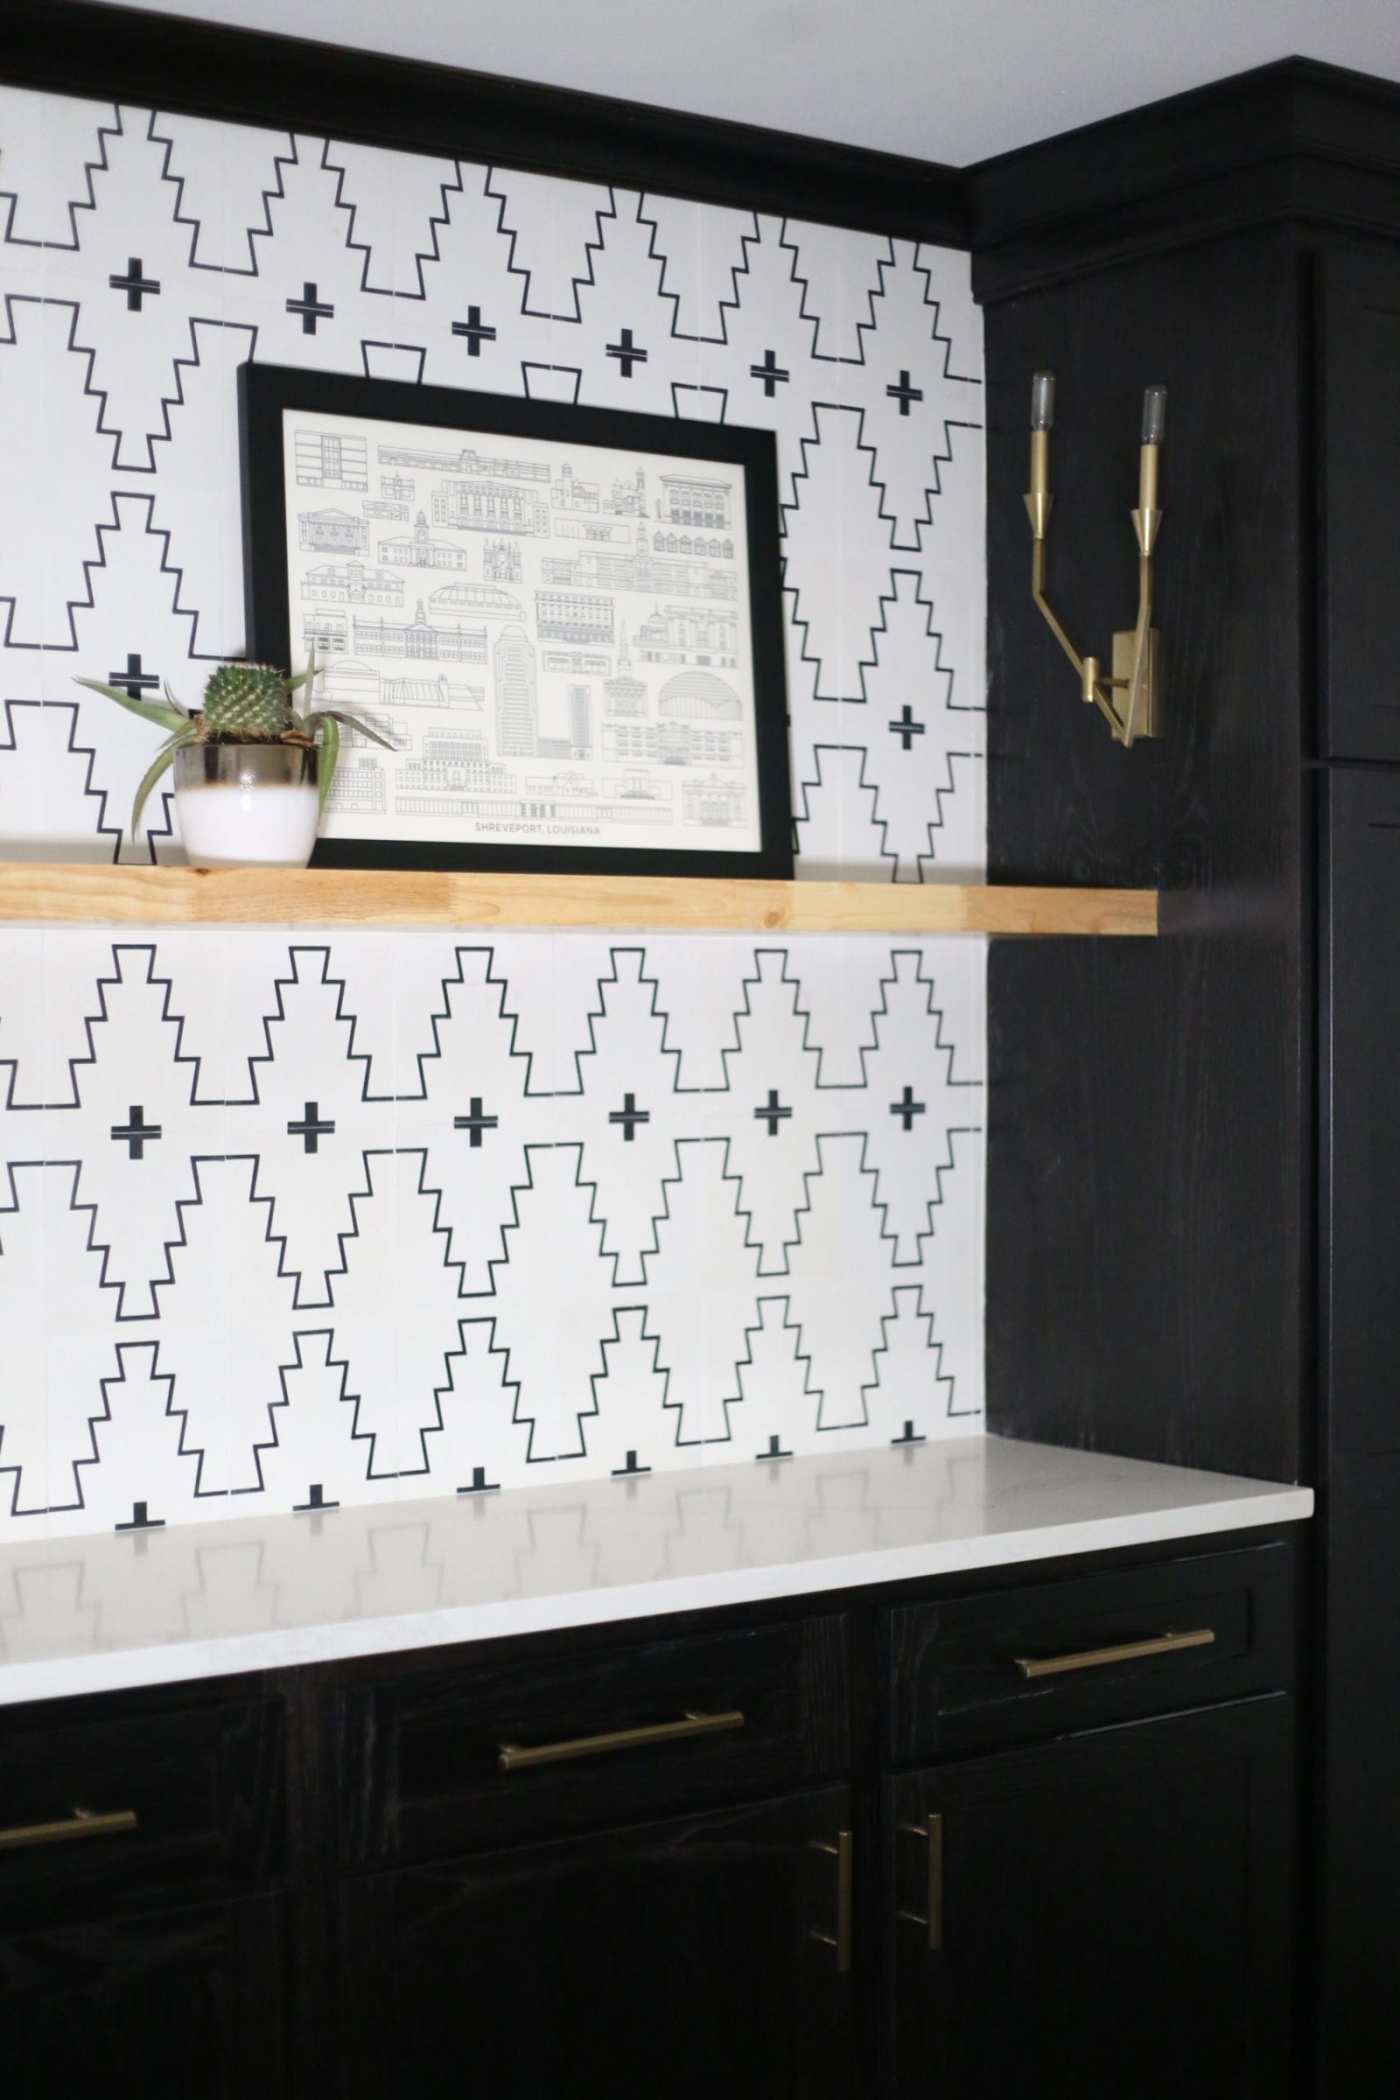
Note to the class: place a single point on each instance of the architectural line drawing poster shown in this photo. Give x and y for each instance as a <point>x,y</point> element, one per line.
<point>554,634</point>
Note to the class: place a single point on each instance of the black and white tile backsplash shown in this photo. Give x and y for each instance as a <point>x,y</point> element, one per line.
<point>288,1221</point>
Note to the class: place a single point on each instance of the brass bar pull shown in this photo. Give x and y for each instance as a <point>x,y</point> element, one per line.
<point>1126,1651</point>
<point>515,1757</point>
<point>81,1824</point>
<point>844,1854</point>
<point>932,1835</point>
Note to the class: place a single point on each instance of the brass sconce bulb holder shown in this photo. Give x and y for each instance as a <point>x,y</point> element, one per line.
<point>1130,699</point>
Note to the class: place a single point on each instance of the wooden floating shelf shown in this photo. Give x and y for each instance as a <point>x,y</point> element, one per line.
<point>96,893</point>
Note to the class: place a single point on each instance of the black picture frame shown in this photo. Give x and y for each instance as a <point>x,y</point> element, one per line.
<point>267,392</point>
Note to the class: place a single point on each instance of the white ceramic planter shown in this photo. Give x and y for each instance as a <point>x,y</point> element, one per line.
<point>247,805</point>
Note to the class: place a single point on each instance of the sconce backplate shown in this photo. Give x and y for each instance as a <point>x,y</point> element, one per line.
<point>1149,715</point>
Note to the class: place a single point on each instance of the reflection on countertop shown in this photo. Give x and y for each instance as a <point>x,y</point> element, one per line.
<point>149,1607</point>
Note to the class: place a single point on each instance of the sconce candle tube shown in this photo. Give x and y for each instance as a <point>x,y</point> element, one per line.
<point>1154,415</point>
<point>1039,499</point>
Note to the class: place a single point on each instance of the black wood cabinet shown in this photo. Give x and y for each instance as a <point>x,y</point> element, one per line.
<point>1359,1794</point>
<point>1359,415</point>
<point>1032,1835</point>
<point>1105,1914</point>
<point>704,1954</point>
<point>188,2002</point>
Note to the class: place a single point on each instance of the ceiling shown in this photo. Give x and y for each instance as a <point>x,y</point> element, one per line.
<point>946,80</point>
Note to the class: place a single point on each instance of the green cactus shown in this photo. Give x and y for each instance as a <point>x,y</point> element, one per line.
<point>243,704</point>
<point>247,701</point>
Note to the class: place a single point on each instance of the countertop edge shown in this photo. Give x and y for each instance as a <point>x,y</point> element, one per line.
<point>25,1681</point>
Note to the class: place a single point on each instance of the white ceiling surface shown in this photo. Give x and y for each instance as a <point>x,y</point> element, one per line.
<point>946,80</point>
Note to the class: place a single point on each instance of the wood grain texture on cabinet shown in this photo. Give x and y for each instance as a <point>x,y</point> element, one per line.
<point>1149,1223</point>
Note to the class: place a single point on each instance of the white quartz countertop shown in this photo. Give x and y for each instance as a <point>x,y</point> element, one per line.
<point>200,1600</point>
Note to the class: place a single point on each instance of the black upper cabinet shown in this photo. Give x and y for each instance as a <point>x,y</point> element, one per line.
<point>1108,1914</point>
<point>1359,365</point>
<point>701,1955</point>
<point>1361,1117</point>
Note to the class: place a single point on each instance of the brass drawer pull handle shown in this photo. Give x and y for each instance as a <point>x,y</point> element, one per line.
<point>844,1854</point>
<point>1126,1651</point>
<point>81,1824</point>
<point>514,1757</point>
<point>932,1835</point>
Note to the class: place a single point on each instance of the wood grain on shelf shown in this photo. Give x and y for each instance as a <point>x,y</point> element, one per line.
<point>96,894</point>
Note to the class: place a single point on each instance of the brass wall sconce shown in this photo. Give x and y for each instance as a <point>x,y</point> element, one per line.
<point>1130,699</point>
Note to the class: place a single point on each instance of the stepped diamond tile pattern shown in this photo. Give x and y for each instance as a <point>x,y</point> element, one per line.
<point>145,256</point>
<point>292,1225</point>
<point>313,1233</point>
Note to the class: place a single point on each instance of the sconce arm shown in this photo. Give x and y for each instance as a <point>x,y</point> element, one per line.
<point>1092,691</point>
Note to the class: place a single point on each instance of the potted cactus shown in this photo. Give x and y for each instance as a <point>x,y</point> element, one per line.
<point>251,772</point>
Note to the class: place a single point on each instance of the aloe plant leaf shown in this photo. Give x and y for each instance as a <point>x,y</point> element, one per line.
<point>355,722</point>
<point>164,757</point>
<point>164,717</point>
<point>307,676</point>
<point>330,754</point>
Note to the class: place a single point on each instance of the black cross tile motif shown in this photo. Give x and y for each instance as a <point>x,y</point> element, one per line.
<point>770,372</point>
<point>627,353</point>
<point>906,728</point>
<point>312,308</point>
<point>136,1133</point>
<point>476,1122</point>
<point>629,1116</point>
<point>311,1129</point>
<point>140,1521</point>
<point>775,1450</point>
<point>631,1468</point>
<point>135,284</point>
<point>772,1113</point>
<point>133,680</point>
<point>908,1436</point>
<point>475,331</point>
<point>904,393</point>
<point>908,1108</point>
<point>480,1485</point>
<point>315,1499</point>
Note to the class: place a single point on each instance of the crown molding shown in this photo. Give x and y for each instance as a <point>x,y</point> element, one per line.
<point>171,62</point>
<point>1297,141</point>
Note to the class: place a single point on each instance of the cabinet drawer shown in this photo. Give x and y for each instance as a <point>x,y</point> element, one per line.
<point>138,1806</point>
<point>434,1759</point>
<point>1020,1664</point>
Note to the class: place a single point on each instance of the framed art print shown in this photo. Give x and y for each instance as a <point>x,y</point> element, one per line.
<point>566,621</point>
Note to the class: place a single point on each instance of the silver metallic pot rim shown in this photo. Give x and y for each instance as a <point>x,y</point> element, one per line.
<point>247,765</point>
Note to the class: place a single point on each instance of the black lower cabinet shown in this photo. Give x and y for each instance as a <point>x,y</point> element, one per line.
<point>1026,1839</point>
<point>187,2002</point>
<point>1104,1915</point>
<point>700,1955</point>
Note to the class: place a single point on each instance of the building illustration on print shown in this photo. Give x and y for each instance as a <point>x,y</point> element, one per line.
<point>417,550</point>
<point>517,694</point>
<point>625,695</point>
<point>351,583</point>
<point>332,532</point>
<point>690,499</point>
<point>326,459</point>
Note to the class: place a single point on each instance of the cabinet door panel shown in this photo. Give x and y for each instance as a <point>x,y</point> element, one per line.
<point>677,1958</point>
<point>1112,1915</point>
<point>1360,421</point>
<point>182,2002</point>
<point>1361,1122</point>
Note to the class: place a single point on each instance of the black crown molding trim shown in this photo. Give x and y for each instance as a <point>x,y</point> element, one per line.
<point>85,47</point>
<point>1295,142</point>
